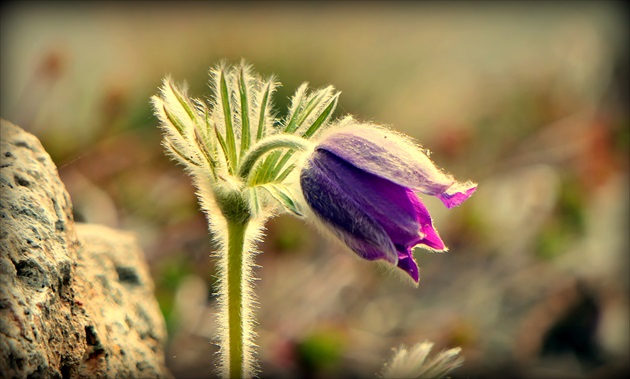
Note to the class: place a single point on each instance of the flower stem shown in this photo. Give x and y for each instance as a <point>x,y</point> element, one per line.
<point>235,309</point>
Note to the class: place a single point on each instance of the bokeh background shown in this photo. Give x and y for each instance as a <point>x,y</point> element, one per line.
<point>528,99</point>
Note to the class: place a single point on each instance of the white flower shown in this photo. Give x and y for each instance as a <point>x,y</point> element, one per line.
<point>416,362</point>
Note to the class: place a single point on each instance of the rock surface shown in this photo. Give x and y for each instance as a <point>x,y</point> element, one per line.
<point>75,300</point>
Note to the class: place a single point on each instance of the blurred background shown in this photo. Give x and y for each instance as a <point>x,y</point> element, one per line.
<point>530,100</point>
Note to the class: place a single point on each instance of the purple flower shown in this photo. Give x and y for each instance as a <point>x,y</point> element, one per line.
<point>361,182</point>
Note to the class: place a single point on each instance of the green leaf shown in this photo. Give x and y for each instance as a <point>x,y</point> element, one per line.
<point>276,169</point>
<point>283,195</point>
<point>325,115</point>
<point>305,105</point>
<point>272,174</point>
<point>301,112</point>
<point>294,110</point>
<point>176,122</point>
<point>268,168</point>
<point>184,160</point>
<point>263,173</point>
<point>285,173</point>
<point>219,138</point>
<point>209,129</point>
<point>263,109</point>
<point>230,148</point>
<point>265,146</point>
<point>203,146</point>
<point>183,102</point>
<point>245,133</point>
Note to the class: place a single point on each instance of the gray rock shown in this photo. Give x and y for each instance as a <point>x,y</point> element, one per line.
<point>75,300</point>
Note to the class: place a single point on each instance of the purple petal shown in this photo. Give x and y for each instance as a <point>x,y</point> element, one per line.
<point>409,265</point>
<point>457,194</point>
<point>391,157</point>
<point>431,238</point>
<point>344,216</point>
<point>375,217</point>
<point>428,235</point>
<point>397,209</point>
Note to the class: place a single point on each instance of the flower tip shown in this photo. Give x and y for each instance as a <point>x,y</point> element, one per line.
<point>431,238</point>
<point>457,194</point>
<point>409,265</point>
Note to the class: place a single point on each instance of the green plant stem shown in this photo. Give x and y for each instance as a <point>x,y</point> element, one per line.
<point>236,240</point>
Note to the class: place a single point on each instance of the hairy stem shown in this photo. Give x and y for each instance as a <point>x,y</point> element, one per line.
<point>235,309</point>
